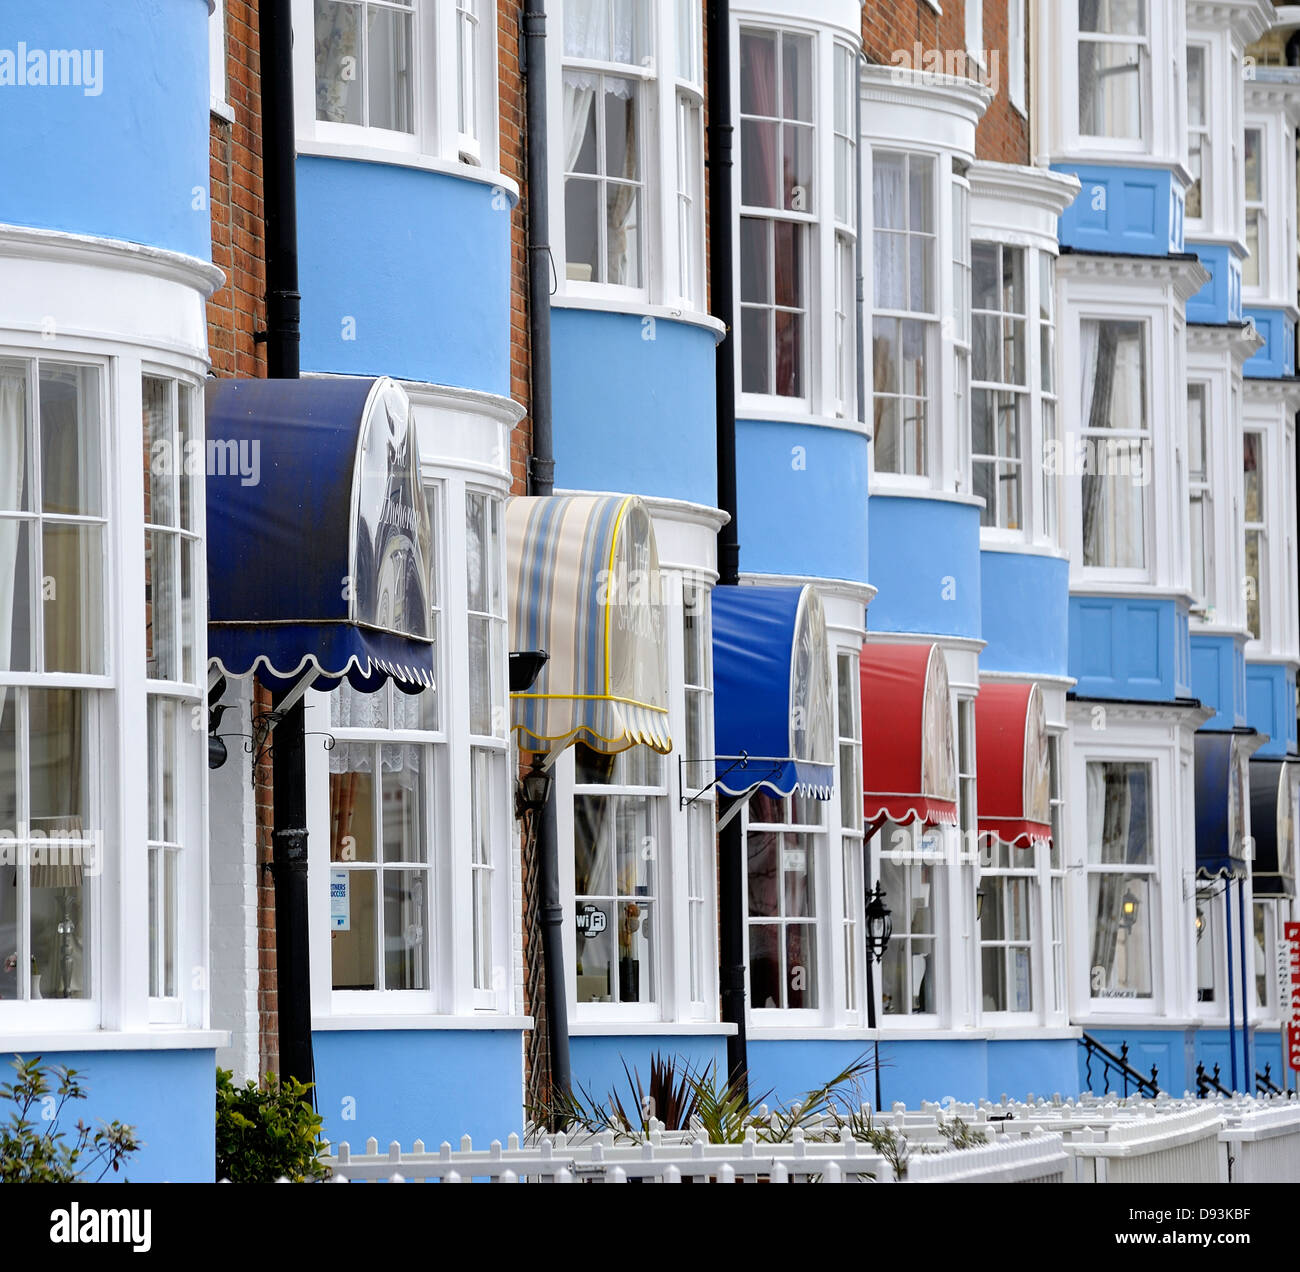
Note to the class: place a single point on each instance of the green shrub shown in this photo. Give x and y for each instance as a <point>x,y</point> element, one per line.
<point>32,1148</point>
<point>267,1133</point>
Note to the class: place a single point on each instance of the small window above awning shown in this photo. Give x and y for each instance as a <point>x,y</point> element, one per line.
<point>1011,754</point>
<point>1221,807</point>
<point>909,773</point>
<point>772,706</point>
<point>1274,793</point>
<point>583,574</point>
<point>319,541</point>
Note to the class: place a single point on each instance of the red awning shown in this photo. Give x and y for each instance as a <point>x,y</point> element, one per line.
<point>908,770</point>
<point>1011,754</point>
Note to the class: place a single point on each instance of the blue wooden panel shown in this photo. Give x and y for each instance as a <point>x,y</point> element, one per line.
<point>1122,209</point>
<point>1270,705</point>
<point>1277,356</point>
<point>1127,647</point>
<point>1025,604</point>
<point>1219,678</point>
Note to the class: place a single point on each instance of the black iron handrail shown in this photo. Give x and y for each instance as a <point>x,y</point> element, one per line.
<point>1264,1084</point>
<point>1206,1082</point>
<point>1118,1064</point>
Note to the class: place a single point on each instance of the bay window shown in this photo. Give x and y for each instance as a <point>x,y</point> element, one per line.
<point>1254,454</point>
<point>1009,884</point>
<point>618,806</point>
<point>1200,495</point>
<point>1116,439</point>
<point>413,77</point>
<point>364,63</point>
<point>1199,160</point>
<point>913,882</point>
<point>1000,399</point>
<point>1113,68</point>
<point>1254,269</point>
<point>1049,441</point>
<point>382,792</point>
<point>1122,879</point>
<point>54,655</point>
<point>778,210</point>
<point>784,845</point>
<point>905,324</point>
<point>606,54</point>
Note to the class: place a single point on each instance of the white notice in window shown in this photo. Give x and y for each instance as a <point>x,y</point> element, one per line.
<point>340,914</point>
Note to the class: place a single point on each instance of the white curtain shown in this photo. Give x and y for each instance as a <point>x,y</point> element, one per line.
<point>13,464</point>
<point>890,257</point>
<point>336,39</point>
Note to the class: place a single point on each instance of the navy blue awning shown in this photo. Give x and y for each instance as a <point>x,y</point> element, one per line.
<point>1274,791</point>
<point>772,691</point>
<point>319,537</point>
<point>1221,810</point>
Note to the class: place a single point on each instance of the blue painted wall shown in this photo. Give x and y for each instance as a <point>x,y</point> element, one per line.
<point>170,1097</point>
<point>635,405</point>
<point>1212,1047</point>
<point>801,499</point>
<point>404,273</point>
<point>913,1070</point>
<point>1025,603</point>
<point>925,559</point>
<point>1276,357</point>
<point>1126,647</point>
<point>1219,678</point>
<point>1270,706</point>
<point>1268,1051</point>
<point>598,1061</point>
<point>1122,209</point>
<point>131,161</point>
<point>1219,301</point>
<point>411,1084</point>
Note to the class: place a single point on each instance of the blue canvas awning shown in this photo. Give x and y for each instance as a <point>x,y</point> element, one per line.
<point>319,538</point>
<point>1274,793</point>
<point>1221,807</point>
<point>772,701</point>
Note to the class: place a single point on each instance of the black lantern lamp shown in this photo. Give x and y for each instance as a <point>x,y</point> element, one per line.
<point>217,753</point>
<point>880,924</point>
<point>525,666</point>
<point>880,927</point>
<point>534,788</point>
<point>1200,924</point>
<point>1129,909</point>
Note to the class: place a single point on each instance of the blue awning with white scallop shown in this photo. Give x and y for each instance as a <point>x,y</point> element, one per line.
<point>772,708</point>
<point>319,539</point>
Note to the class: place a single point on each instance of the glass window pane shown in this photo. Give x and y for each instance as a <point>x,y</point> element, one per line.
<point>1119,812</point>
<point>58,762</point>
<point>354,938</point>
<point>801,965</point>
<point>161,552</point>
<point>405,934</point>
<point>623,234</point>
<point>402,783</point>
<point>17,584</point>
<point>15,438</point>
<point>797,875</point>
<point>799,144</point>
<point>1122,916</point>
<point>1110,90</point>
<point>338,62</point>
<point>352,802</point>
<point>797,93</point>
<point>622,157</point>
<point>597,933</point>
<point>73,595</point>
<point>60,941</point>
<point>160,453</point>
<point>582,230</point>
<point>71,467</point>
<point>388,47</point>
<point>761,850</point>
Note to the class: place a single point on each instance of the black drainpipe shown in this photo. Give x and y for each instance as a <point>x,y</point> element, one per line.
<point>282,335</point>
<point>541,481</point>
<point>731,846</point>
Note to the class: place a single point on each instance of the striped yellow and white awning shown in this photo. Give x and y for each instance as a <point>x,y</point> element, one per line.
<point>584,586</point>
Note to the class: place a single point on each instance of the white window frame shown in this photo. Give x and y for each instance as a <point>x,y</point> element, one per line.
<point>905,848</point>
<point>1001,867</point>
<point>219,103</point>
<point>1254,273</point>
<point>1016,25</point>
<point>1203,132</point>
<point>435,140</point>
<point>974,14</point>
<point>1200,497</point>
<point>1262,579</point>
<point>1145,43</point>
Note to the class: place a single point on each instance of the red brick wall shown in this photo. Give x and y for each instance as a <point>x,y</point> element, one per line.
<point>892,25</point>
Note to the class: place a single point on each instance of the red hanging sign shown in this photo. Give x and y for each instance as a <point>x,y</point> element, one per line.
<point>1292,934</point>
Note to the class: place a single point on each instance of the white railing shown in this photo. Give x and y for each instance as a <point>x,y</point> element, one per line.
<point>1181,1147</point>
<point>1263,1145</point>
<point>1033,1159</point>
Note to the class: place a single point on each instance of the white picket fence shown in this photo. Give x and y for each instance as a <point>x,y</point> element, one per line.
<point>602,1160</point>
<point>1091,1140</point>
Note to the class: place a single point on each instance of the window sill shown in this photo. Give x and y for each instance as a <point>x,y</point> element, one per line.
<point>1033,1033</point>
<point>890,491</point>
<point>796,413</point>
<point>1023,548</point>
<point>479,1020</point>
<point>222,110</point>
<point>1142,1008</point>
<point>650,1028</point>
<point>161,1039</point>
<point>641,309</point>
<point>408,159</point>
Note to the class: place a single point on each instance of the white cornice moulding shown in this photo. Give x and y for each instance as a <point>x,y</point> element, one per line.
<point>1186,275</point>
<point>1008,197</point>
<point>137,258</point>
<point>905,107</point>
<point>1241,342</point>
<point>1247,19</point>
